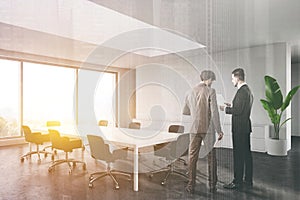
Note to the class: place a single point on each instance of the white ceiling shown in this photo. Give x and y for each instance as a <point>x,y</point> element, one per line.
<point>229,24</point>
<point>74,29</point>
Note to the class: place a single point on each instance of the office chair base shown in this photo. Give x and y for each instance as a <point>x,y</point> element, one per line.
<point>35,152</point>
<point>183,161</point>
<point>170,170</point>
<point>53,150</point>
<point>109,173</point>
<point>69,161</point>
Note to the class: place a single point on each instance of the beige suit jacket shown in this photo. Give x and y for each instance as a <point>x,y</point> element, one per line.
<point>201,104</point>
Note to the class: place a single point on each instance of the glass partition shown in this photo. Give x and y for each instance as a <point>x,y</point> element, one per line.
<point>96,97</point>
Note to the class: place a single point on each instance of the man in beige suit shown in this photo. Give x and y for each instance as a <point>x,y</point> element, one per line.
<point>201,104</point>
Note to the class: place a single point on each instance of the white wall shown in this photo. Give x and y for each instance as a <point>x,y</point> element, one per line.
<point>296,100</point>
<point>163,83</point>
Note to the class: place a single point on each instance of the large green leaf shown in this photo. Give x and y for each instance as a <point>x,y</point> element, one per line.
<point>285,121</point>
<point>271,111</point>
<point>289,97</point>
<point>273,92</point>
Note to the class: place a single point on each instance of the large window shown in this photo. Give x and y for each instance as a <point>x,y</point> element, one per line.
<point>52,93</point>
<point>9,101</point>
<point>48,94</point>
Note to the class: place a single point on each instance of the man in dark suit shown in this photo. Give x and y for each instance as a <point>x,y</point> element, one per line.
<point>241,129</point>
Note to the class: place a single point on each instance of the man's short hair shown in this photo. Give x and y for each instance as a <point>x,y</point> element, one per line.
<point>239,73</point>
<point>207,74</point>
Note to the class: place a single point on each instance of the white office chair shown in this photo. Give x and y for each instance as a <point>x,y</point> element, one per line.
<point>171,152</point>
<point>100,151</point>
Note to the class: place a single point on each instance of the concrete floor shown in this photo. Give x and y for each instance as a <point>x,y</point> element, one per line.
<point>274,178</point>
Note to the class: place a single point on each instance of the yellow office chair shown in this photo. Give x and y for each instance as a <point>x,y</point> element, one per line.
<point>67,144</point>
<point>102,123</point>
<point>100,151</point>
<point>35,138</point>
<point>137,125</point>
<point>134,125</point>
<point>52,124</point>
<point>176,129</point>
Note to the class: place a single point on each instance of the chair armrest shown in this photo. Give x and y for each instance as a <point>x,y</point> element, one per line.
<point>65,139</point>
<point>36,133</point>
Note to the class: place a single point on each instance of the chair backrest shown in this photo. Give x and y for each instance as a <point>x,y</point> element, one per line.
<point>134,125</point>
<point>55,138</point>
<point>103,123</point>
<point>176,129</point>
<point>27,132</point>
<point>52,123</point>
<point>180,146</point>
<point>175,149</point>
<point>99,150</point>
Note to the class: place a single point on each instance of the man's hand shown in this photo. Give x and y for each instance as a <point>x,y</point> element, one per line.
<point>220,136</point>
<point>228,104</point>
<point>222,108</point>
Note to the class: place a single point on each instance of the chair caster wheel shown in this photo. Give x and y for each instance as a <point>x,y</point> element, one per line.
<point>163,183</point>
<point>91,185</point>
<point>49,170</point>
<point>91,178</point>
<point>22,159</point>
<point>150,176</point>
<point>117,187</point>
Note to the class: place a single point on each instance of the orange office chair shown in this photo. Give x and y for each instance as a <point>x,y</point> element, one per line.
<point>100,151</point>
<point>35,138</point>
<point>67,144</point>
<point>52,124</point>
<point>137,125</point>
<point>134,125</point>
<point>102,123</point>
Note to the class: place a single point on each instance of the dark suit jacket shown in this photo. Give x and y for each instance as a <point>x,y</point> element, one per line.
<point>241,110</point>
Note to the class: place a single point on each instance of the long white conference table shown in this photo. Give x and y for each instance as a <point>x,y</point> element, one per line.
<point>123,137</point>
<point>135,139</point>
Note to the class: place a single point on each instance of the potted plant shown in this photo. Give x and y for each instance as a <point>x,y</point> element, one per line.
<point>275,105</point>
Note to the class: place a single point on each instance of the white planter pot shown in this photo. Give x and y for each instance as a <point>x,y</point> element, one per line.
<point>276,147</point>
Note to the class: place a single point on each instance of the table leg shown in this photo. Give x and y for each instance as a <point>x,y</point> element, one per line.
<point>136,170</point>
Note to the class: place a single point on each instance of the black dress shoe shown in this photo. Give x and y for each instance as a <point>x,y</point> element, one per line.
<point>212,189</point>
<point>232,186</point>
